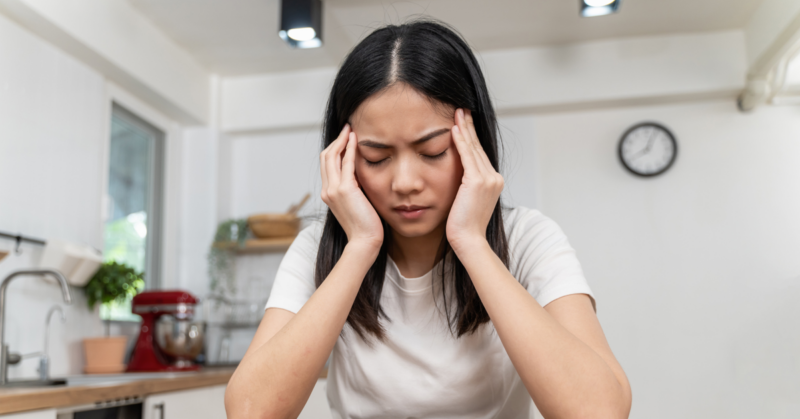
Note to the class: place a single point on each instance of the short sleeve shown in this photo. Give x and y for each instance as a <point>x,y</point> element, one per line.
<point>541,258</point>
<point>294,282</point>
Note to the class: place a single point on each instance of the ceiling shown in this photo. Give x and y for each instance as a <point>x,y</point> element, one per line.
<point>238,37</point>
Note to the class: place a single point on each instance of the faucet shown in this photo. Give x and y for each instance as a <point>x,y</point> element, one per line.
<point>44,360</point>
<point>7,358</point>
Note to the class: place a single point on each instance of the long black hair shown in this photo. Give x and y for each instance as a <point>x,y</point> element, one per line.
<point>433,59</point>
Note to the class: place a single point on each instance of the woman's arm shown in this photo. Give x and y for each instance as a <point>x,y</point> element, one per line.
<point>560,352</point>
<point>284,360</point>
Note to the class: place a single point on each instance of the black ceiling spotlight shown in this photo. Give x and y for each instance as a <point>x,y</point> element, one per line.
<point>591,8</point>
<point>301,23</point>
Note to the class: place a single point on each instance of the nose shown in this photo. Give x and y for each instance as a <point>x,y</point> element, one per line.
<point>407,179</point>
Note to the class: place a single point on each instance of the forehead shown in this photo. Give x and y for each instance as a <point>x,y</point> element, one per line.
<point>399,113</point>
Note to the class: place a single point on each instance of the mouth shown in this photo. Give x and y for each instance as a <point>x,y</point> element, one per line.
<point>410,212</point>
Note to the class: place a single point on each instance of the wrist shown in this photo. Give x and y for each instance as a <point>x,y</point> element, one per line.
<point>464,246</point>
<point>364,248</point>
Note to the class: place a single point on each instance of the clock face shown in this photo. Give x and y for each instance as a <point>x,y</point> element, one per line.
<point>647,149</point>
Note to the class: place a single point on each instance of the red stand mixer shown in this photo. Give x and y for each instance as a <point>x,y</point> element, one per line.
<point>169,340</point>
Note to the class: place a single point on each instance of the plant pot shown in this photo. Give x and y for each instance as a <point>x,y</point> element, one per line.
<point>104,355</point>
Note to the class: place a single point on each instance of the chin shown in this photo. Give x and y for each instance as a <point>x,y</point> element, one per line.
<point>411,231</point>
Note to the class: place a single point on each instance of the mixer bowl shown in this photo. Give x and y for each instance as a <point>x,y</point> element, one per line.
<point>180,339</point>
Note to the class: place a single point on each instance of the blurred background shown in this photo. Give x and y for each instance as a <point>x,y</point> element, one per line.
<point>147,132</point>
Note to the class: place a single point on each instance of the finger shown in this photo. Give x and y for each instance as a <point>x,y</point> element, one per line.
<point>481,152</point>
<point>349,161</point>
<point>471,142</point>
<point>342,134</point>
<point>333,157</point>
<point>464,150</point>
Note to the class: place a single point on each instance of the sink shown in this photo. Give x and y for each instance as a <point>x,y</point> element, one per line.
<point>111,379</point>
<point>34,383</point>
<point>106,379</point>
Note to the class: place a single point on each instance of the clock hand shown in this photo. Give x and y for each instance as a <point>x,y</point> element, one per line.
<point>640,153</point>
<point>650,140</point>
<point>647,148</point>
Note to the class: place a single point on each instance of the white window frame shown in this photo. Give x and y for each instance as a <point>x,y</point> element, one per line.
<point>166,273</point>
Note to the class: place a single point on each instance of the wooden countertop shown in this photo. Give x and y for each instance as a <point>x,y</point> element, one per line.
<point>33,398</point>
<point>19,399</point>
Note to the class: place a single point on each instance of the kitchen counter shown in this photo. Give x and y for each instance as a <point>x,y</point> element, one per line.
<point>33,398</point>
<point>99,389</point>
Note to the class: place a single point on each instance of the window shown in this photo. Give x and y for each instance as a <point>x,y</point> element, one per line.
<point>135,185</point>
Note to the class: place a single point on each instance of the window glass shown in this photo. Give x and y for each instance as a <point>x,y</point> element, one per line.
<point>134,180</point>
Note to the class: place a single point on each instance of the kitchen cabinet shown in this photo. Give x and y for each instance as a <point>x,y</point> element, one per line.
<point>37,414</point>
<point>200,403</point>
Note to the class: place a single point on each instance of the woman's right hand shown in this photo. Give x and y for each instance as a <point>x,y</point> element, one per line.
<point>343,195</point>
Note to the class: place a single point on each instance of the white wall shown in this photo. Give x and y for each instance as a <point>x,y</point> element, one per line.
<point>54,120</point>
<point>53,114</point>
<point>120,43</point>
<point>524,80</point>
<point>696,271</point>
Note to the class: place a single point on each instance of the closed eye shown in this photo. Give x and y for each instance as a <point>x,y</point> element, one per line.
<point>436,157</point>
<point>375,163</point>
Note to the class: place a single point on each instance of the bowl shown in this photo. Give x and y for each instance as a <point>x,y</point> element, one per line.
<point>269,225</point>
<point>180,338</point>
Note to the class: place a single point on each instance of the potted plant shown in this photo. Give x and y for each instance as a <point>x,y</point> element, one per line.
<point>112,282</point>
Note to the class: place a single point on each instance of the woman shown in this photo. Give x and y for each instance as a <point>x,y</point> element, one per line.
<point>434,301</point>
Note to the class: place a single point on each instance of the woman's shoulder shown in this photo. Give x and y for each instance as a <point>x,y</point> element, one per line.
<point>524,226</point>
<point>307,240</point>
<point>519,217</point>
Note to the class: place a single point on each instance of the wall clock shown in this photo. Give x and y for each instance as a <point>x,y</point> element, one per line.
<point>647,149</point>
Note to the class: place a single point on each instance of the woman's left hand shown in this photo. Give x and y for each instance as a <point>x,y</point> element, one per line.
<point>480,187</point>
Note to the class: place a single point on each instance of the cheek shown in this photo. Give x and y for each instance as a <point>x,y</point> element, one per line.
<point>372,183</point>
<point>456,173</point>
<point>447,179</point>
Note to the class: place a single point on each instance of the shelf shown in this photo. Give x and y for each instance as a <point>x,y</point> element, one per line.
<point>279,244</point>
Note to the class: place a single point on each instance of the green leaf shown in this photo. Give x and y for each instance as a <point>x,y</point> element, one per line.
<point>113,282</point>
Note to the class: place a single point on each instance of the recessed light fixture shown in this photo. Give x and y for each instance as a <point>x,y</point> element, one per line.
<point>301,23</point>
<point>591,8</point>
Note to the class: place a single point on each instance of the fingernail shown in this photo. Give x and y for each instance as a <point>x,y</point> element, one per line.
<point>461,113</point>
<point>455,128</point>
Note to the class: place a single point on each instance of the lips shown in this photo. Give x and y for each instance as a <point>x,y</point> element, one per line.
<point>411,211</point>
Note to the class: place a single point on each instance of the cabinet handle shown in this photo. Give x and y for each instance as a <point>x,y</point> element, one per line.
<point>160,408</point>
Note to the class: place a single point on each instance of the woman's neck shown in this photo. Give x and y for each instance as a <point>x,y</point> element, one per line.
<point>416,256</point>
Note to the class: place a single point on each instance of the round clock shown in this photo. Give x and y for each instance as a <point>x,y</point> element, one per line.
<point>647,149</point>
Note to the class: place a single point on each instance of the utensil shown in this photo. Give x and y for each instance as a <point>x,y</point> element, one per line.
<point>269,225</point>
<point>181,339</point>
<point>296,207</point>
<point>265,226</point>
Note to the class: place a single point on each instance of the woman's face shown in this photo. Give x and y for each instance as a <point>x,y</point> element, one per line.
<point>407,162</point>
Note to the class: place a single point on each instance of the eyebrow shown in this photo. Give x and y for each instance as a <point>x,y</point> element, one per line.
<point>427,137</point>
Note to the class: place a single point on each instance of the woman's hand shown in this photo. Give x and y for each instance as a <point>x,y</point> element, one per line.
<point>343,195</point>
<point>480,187</point>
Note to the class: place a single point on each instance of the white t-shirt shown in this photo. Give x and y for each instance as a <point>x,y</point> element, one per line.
<point>421,370</point>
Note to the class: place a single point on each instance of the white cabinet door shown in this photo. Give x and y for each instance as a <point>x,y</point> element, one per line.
<point>201,403</point>
<point>317,404</point>
<point>38,414</point>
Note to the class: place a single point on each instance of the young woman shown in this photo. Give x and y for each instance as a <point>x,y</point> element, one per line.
<point>435,301</point>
